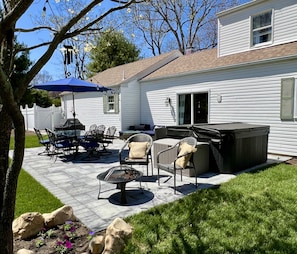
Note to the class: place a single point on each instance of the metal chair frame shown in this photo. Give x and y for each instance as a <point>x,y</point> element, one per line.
<point>173,167</point>
<point>61,143</point>
<point>139,137</point>
<point>45,142</point>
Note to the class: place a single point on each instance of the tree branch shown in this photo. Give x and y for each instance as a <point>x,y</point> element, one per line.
<point>24,30</point>
<point>12,16</point>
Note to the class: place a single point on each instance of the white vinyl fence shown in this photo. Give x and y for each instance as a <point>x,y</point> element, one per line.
<point>41,118</point>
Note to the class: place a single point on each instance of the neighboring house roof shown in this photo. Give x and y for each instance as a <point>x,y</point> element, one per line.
<point>135,70</point>
<point>208,60</point>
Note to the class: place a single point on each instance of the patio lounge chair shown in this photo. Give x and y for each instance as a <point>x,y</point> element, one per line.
<point>139,149</point>
<point>45,142</point>
<point>185,149</point>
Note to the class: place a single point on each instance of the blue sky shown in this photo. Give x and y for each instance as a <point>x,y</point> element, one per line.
<point>30,39</point>
<point>55,66</point>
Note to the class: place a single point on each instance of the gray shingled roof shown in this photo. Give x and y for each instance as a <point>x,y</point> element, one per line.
<point>208,60</point>
<point>120,74</point>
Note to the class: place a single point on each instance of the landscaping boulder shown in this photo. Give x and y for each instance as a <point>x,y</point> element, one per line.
<point>117,233</point>
<point>59,216</point>
<point>96,245</point>
<point>119,228</point>
<point>25,251</point>
<point>28,225</point>
<point>113,245</point>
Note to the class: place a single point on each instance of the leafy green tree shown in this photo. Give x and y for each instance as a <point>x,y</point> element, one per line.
<point>112,49</point>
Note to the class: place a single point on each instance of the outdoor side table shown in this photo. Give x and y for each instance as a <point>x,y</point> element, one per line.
<point>119,175</point>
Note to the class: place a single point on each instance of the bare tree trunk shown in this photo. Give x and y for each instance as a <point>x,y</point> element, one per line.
<point>9,175</point>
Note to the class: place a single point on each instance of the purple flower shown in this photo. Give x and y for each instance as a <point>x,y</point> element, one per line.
<point>66,237</point>
<point>68,222</point>
<point>68,244</point>
<point>59,243</point>
<point>91,233</point>
<point>72,229</point>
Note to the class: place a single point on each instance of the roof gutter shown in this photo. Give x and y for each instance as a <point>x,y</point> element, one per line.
<point>238,8</point>
<point>153,68</point>
<point>222,68</point>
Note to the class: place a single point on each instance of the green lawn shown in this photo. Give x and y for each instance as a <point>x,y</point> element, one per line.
<point>253,213</point>
<point>32,196</point>
<point>30,141</point>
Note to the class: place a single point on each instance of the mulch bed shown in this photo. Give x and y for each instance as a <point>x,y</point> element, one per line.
<point>292,161</point>
<point>79,243</point>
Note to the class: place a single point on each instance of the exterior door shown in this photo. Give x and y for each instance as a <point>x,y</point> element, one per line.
<point>192,108</point>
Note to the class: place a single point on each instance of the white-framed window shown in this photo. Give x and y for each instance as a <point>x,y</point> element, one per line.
<point>111,103</point>
<point>262,28</point>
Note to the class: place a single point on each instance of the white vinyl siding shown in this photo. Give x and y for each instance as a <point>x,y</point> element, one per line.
<point>249,94</point>
<point>235,27</point>
<point>89,110</point>
<point>130,104</point>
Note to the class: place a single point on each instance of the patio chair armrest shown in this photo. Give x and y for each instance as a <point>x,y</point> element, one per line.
<point>164,151</point>
<point>121,151</point>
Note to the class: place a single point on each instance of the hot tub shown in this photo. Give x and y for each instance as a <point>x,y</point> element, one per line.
<point>234,146</point>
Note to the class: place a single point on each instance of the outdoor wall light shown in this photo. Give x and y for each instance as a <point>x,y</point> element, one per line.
<point>167,101</point>
<point>219,98</point>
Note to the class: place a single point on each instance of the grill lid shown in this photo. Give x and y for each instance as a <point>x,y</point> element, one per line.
<point>71,124</point>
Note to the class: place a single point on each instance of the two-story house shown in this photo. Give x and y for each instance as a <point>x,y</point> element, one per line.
<point>250,77</point>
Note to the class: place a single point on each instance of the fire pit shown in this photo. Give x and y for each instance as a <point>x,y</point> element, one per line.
<point>119,175</point>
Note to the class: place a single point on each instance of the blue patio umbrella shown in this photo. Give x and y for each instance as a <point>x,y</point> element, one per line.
<point>71,85</point>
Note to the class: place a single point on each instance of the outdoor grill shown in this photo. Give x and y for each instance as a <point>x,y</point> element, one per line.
<point>70,127</point>
<point>70,124</point>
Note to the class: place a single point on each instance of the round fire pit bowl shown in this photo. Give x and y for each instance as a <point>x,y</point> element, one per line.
<point>119,175</point>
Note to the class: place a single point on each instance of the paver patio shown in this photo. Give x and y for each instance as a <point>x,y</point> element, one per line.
<point>74,182</point>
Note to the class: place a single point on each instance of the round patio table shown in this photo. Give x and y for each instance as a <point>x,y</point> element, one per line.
<point>119,175</point>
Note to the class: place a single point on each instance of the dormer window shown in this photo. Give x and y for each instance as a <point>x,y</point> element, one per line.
<point>262,28</point>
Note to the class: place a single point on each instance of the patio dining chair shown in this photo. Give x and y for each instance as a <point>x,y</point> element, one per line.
<point>139,151</point>
<point>45,142</point>
<point>92,128</point>
<point>90,142</point>
<point>108,138</point>
<point>61,143</point>
<point>100,129</point>
<point>184,150</point>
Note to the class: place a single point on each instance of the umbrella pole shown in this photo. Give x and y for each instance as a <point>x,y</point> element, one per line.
<point>74,114</point>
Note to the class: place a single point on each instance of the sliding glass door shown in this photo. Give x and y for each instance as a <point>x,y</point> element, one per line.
<point>192,108</point>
